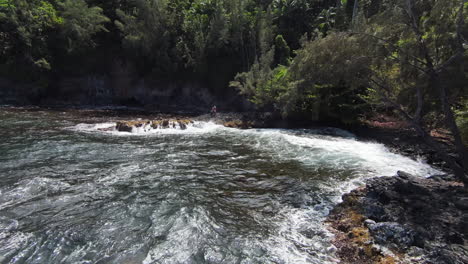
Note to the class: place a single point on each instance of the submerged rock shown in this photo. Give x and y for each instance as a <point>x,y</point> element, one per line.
<point>127,126</point>
<point>239,124</point>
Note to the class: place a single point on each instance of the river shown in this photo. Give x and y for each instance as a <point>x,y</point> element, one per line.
<point>70,193</point>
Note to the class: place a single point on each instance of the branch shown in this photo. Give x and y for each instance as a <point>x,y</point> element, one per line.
<point>414,25</point>
<point>451,60</point>
<point>411,64</point>
<point>419,129</point>
<point>393,46</point>
<point>460,40</point>
<point>392,103</point>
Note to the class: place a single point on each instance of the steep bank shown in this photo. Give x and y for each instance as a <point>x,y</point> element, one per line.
<point>403,219</point>
<point>120,91</point>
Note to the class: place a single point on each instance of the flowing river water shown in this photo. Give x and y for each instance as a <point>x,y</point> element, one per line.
<point>70,193</point>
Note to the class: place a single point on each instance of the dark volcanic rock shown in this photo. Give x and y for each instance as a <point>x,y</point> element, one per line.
<point>445,177</point>
<point>124,127</point>
<point>406,212</point>
<point>392,234</point>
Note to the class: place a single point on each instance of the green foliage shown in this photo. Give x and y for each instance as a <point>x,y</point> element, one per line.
<point>81,23</point>
<point>319,84</point>
<point>322,59</point>
<point>25,28</point>
<point>295,18</point>
<point>31,34</point>
<point>282,51</point>
<point>146,31</point>
<point>161,38</point>
<point>381,60</point>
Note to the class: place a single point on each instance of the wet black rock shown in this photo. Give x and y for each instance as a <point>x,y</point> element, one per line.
<point>392,234</point>
<point>124,127</point>
<point>443,177</point>
<point>406,212</point>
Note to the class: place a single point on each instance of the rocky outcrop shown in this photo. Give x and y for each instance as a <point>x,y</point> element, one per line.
<point>128,126</point>
<point>416,220</point>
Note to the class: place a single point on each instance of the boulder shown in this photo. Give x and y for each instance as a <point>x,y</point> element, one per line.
<point>183,123</point>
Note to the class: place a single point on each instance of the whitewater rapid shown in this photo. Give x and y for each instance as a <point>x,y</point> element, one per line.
<point>75,192</point>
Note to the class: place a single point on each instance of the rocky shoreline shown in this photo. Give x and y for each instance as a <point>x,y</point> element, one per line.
<point>403,219</point>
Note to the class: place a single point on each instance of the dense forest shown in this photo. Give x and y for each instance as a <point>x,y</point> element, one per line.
<point>305,59</point>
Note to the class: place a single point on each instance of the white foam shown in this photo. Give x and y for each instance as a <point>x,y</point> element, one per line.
<point>313,150</point>
<point>292,245</point>
<point>109,129</point>
<point>92,127</point>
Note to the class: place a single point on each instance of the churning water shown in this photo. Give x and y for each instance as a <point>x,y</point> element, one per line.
<point>71,193</point>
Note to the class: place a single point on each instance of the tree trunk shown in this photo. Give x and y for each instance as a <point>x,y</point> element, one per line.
<point>452,125</point>
<point>355,11</point>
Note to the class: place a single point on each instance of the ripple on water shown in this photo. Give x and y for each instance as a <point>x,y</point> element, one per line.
<point>207,194</point>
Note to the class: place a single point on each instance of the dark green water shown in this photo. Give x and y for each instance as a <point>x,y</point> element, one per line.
<point>72,194</point>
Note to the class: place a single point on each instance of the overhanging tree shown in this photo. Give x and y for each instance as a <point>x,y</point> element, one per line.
<point>417,53</point>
